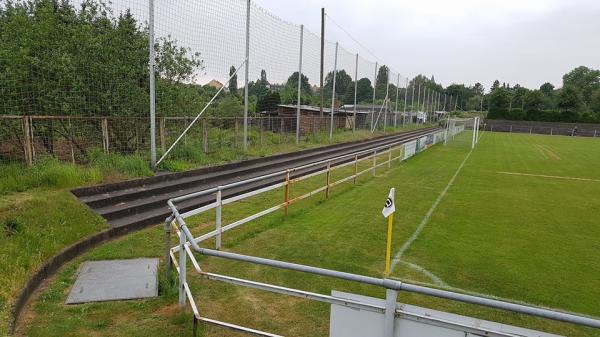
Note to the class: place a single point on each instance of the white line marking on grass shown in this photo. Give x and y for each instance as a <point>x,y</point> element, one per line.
<point>547,150</point>
<point>547,176</point>
<point>436,280</point>
<point>425,220</point>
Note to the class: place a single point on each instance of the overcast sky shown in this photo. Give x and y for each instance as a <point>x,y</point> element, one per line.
<point>463,41</point>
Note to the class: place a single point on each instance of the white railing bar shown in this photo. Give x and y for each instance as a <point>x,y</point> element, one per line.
<point>345,302</point>
<point>252,193</point>
<point>191,298</point>
<point>199,210</point>
<point>293,292</point>
<point>238,328</point>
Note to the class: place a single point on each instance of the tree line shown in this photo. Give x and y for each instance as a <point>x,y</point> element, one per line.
<point>56,59</point>
<point>577,101</point>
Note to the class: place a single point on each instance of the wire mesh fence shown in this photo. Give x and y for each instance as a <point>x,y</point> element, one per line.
<point>85,75</point>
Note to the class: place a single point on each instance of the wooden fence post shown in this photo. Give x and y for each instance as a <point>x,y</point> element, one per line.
<point>162,134</point>
<point>27,143</point>
<point>105,142</point>
<point>71,141</point>
<point>261,129</point>
<point>235,135</point>
<point>205,135</point>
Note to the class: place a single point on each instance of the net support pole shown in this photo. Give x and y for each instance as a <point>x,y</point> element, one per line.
<point>333,93</point>
<point>151,65</point>
<point>418,103</point>
<point>355,90</point>
<point>387,99</point>
<point>299,85</point>
<point>396,109</point>
<point>474,128</point>
<point>322,59</point>
<point>246,76</point>
<point>405,99</point>
<point>374,86</point>
<point>412,102</point>
<point>444,108</point>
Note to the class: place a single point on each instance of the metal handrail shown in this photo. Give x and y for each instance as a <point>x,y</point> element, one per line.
<point>395,284</point>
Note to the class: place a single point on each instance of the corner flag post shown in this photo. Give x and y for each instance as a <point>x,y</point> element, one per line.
<point>388,212</point>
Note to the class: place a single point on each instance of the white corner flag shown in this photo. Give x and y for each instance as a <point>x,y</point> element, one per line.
<point>389,207</point>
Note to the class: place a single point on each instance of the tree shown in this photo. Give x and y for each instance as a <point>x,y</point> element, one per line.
<point>584,79</point>
<point>595,101</point>
<point>382,75</point>
<point>534,105</point>
<point>263,77</point>
<point>233,88</point>
<point>569,103</point>
<point>364,90</point>
<point>268,102</point>
<point>342,81</point>
<point>547,89</point>
<point>498,105</point>
<point>495,85</point>
<point>292,82</point>
<point>478,89</point>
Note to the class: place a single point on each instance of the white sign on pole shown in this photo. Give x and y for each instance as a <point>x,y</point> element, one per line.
<point>389,206</point>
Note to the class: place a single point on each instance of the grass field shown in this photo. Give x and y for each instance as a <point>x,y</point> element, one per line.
<point>39,217</point>
<point>519,222</point>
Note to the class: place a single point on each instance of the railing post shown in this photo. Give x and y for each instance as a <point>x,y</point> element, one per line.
<point>182,268</point>
<point>390,157</point>
<point>168,246</point>
<point>374,162</point>
<point>355,167</point>
<point>286,195</point>
<point>595,131</point>
<point>328,179</point>
<point>218,218</point>
<point>391,297</point>
<point>401,153</point>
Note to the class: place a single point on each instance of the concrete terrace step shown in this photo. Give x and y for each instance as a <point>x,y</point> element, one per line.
<point>142,202</point>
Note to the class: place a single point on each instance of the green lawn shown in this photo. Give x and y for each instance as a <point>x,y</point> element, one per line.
<point>524,238</point>
<point>39,217</point>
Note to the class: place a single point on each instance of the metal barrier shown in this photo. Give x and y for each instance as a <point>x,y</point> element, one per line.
<point>188,244</point>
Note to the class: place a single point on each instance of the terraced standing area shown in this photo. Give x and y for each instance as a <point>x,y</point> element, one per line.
<point>518,221</point>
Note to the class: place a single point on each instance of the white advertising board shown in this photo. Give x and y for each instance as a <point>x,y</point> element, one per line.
<point>413,321</point>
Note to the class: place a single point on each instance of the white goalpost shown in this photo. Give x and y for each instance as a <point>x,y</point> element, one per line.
<point>456,126</point>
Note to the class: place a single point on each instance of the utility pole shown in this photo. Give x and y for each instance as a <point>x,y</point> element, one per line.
<point>322,57</point>
<point>299,85</point>
<point>152,86</point>
<point>246,77</point>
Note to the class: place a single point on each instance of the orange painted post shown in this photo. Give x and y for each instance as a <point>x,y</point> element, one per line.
<point>355,167</point>
<point>287,191</point>
<point>328,179</point>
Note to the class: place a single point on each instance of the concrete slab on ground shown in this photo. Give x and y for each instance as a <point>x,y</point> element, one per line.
<point>115,280</point>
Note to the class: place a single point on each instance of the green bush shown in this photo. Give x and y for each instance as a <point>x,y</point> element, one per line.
<point>48,172</point>
<point>133,165</point>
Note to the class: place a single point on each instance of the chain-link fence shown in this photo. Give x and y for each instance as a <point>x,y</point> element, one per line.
<point>131,76</point>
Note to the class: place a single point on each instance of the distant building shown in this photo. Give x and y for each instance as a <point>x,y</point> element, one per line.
<point>284,118</point>
<point>215,84</point>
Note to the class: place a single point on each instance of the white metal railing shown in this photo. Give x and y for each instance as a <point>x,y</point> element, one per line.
<point>188,245</point>
<point>395,151</point>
